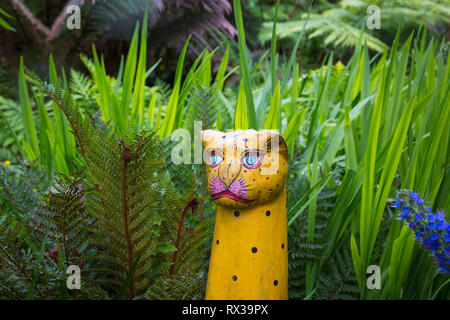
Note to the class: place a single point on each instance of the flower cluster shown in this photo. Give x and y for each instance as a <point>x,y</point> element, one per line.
<point>430,229</point>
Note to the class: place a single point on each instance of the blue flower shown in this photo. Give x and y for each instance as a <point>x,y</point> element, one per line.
<point>447,237</point>
<point>440,216</point>
<point>444,268</point>
<point>434,236</point>
<point>440,225</point>
<point>431,226</point>
<point>435,245</point>
<point>413,195</point>
<point>396,204</point>
<point>426,243</point>
<point>432,230</point>
<point>439,257</point>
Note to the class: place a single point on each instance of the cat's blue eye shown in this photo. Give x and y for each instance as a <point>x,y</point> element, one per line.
<point>215,160</point>
<point>252,161</point>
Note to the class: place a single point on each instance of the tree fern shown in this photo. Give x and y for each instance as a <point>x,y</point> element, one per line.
<point>82,89</point>
<point>188,243</point>
<point>203,106</point>
<point>176,288</point>
<point>20,189</point>
<point>11,121</point>
<point>19,235</point>
<point>64,215</point>
<point>138,215</point>
<point>302,250</point>
<point>170,22</point>
<point>338,281</point>
<point>341,24</point>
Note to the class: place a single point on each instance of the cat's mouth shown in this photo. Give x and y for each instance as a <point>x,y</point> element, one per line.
<point>231,195</point>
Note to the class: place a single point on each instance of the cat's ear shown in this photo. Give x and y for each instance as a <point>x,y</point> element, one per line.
<point>271,141</point>
<point>208,136</point>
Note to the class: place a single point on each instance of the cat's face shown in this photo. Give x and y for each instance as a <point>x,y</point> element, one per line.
<point>245,168</point>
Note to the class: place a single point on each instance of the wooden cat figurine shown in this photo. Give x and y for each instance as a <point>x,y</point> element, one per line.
<point>247,172</point>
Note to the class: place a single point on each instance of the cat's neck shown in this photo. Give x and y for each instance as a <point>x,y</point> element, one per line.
<point>249,253</point>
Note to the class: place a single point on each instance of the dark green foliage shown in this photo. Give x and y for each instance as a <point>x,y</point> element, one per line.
<point>187,237</point>
<point>64,215</point>
<point>302,250</point>
<point>123,221</point>
<point>12,128</point>
<point>31,221</point>
<point>20,189</point>
<point>41,30</point>
<point>19,268</point>
<point>338,280</point>
<point>20,238</point>
<point>170,22</point>
<point>6,83</point>
<point>123,198</point>
<point>176,288</point>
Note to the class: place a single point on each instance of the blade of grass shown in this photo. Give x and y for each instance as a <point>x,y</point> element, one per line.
<point>172,108</point>
<point>244,68</point>
<point>127,281</point>
<point>273,118</point>
<point>273,49</point>
<point>240,116</point>
<point>26,112</point>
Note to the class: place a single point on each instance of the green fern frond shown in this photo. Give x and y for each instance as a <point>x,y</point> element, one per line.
<point>134,209</point>
<point>341,25</point>
<point>79,83</point>
<point>338,281</point>
<point>302,250</point>
<point>178,288</point>
<point>64,214</point>
<point>203,102</point>
<point>188,242</point>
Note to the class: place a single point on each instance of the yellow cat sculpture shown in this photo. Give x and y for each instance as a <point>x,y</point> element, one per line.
<point>247,172</point>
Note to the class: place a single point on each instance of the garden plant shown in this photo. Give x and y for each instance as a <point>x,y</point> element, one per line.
<point>87,176</point>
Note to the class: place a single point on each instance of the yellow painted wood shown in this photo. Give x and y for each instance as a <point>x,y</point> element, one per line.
<point>249,252</point>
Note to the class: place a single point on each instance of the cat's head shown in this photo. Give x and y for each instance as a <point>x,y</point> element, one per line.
<point>245,168</point>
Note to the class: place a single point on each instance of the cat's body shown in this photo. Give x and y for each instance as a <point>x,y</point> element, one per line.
<point>247,173</point>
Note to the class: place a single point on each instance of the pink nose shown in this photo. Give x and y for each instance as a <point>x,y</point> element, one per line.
<point>237,187</point>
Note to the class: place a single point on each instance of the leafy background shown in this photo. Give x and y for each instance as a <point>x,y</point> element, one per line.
<point>87,119</point>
